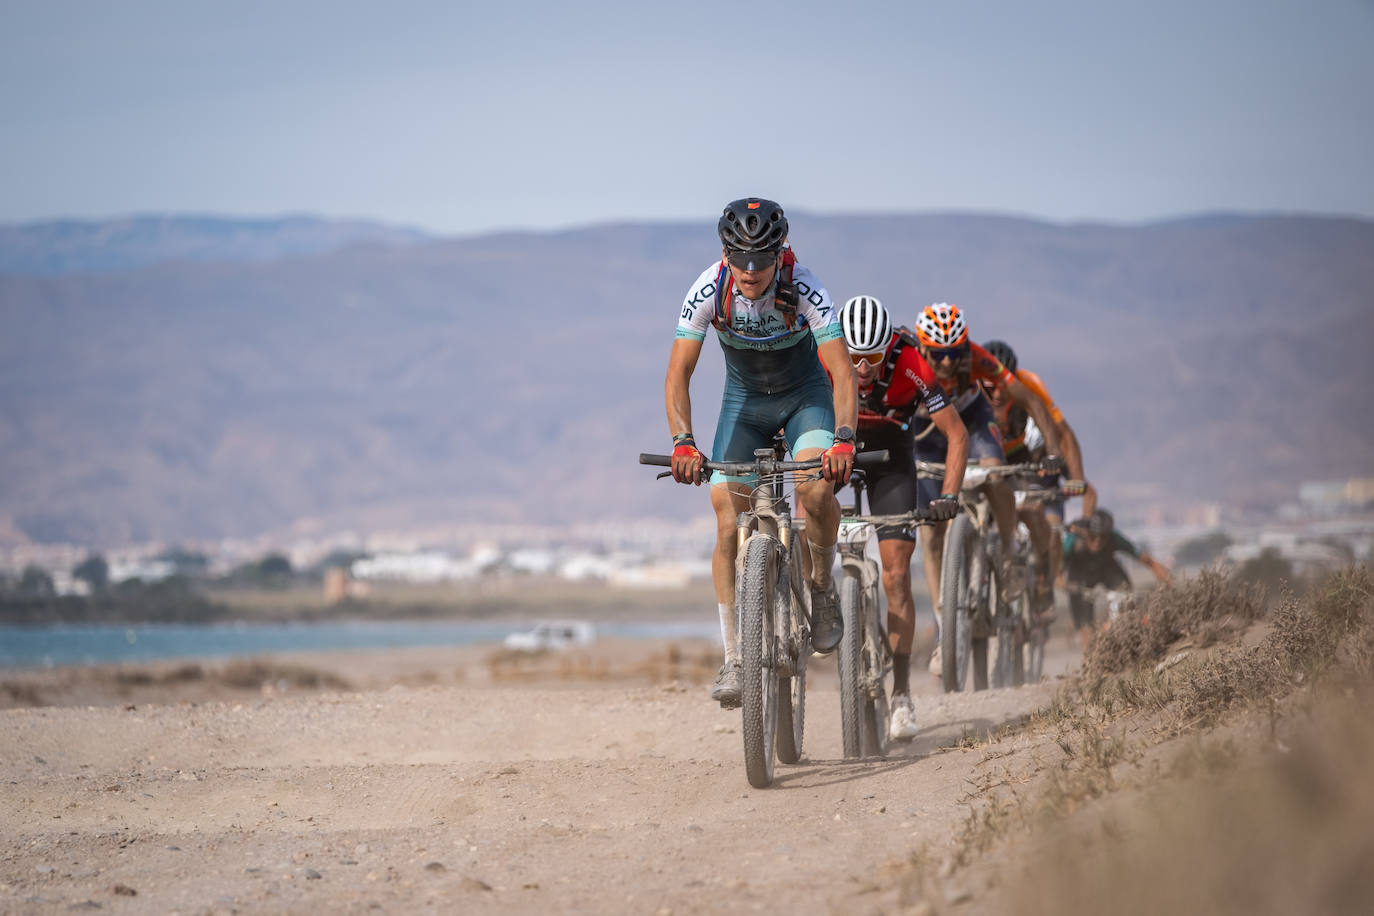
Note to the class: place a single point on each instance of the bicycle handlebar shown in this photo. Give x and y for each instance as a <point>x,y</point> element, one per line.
<point>914,517</point>
<point>976,475</point>
<point>763,466</point>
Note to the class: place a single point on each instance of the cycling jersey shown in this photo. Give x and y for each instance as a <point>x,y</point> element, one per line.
<point>962,388</point>
<point>763,351</point>
<point>911,385</point>
<point>774,378</point>
<point>1013,419</point>
<point>1118,544</point>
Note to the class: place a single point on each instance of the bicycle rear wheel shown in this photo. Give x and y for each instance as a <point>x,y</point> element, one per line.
<point>1035,654</point>
<point>956,631</point>
<point>758,683</point>
<point>849,658</point>
<point>980,568</point>
<point>876,662</point>
<point>1004,623</point>
<point>793,597</point>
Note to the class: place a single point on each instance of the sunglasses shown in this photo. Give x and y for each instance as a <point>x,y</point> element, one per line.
<point>938,355</point>
<point>761,260</point>
<point>873,359</point>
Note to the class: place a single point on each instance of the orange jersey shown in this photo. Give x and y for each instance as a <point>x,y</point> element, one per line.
<point>1012,417</point>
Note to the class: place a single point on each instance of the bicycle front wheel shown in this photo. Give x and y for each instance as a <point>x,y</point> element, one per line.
<point>1035,654</point>
<point>758,683</point>
<point>793,599</point>
<point>850,661</point>
<point>876,662</point>
<point>956,630</point>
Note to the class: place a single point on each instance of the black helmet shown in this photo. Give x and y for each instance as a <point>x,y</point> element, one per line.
<point>1101,523</point>
<point>1002,352</point>
<point>752,224</point>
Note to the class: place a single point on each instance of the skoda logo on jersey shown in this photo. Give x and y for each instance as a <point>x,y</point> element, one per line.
<point>809,294</point>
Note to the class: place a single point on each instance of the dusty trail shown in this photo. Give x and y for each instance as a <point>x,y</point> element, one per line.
<point>494,798</point>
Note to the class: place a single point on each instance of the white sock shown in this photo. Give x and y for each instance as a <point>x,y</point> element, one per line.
<point>728,636</point>
<point>822,563</point>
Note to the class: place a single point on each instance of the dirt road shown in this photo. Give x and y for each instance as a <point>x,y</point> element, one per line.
<point>484,797</point>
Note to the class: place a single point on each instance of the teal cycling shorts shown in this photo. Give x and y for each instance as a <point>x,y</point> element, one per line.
<point>749,420</point>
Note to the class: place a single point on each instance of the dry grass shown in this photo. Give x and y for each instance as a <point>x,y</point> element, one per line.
<point>1127,773</point>
<point>1203,611</point>
<point>1284,830</point>
<point>692,664</point>
<point>256,674</point>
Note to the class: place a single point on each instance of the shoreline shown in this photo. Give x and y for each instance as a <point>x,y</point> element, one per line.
<point>610,661</point>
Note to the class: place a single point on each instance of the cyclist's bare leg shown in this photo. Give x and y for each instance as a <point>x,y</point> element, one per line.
<point>895,555</point>
<point>1085,638</point>
<point>1038,526</point>
<point>932,552</point>
<point>1041,538</point>
<point>728,500</point>
<point>817,498</point>
<point>1056,549</point>
<point>1002,502</point>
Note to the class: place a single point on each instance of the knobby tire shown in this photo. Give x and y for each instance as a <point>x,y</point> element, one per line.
<point>792,600</point>
<point>758,684</point>
<point>955,628</point>
<point>849,659</point>
<point>875,655</point>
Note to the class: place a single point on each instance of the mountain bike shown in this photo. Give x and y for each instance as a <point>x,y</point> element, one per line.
<point>1024,663</point>
<point>971,605</point>
<point>773,607</point>
<point>864,656</point>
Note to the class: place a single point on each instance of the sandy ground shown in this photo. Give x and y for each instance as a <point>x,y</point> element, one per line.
<point>436,780</point>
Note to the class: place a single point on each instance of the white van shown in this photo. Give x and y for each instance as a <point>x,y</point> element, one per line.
<point>553,634</point>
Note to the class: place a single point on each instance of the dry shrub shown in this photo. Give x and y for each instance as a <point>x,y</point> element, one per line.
<point>139,677</point>
<point>1204,610</point>
<point>1231,677</point>
<point>1287,833</point>
<point>254,673</point>
<point>1332,627</point>
<point>1328,633</point>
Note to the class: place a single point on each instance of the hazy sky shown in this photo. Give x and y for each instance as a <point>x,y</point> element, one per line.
<point>462,118</point>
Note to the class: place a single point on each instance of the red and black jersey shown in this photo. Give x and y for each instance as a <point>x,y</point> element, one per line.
<point>905,383</point>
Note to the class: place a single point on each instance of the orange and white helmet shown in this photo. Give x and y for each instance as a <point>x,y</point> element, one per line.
<point>941,325</point>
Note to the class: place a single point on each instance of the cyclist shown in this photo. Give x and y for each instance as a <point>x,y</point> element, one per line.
<point>894,380</point>
<point>773,318</point>
<point>960,367</point>
<point>1023,442</point>
<point>1090,550</point>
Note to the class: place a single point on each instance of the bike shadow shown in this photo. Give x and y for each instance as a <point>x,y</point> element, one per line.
<point>811,773</point>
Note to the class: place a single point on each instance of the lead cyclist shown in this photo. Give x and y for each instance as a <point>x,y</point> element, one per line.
<point>773,318</point>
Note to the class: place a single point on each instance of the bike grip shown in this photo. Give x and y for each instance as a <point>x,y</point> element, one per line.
<point>878,456</point>
<point>661,461</point>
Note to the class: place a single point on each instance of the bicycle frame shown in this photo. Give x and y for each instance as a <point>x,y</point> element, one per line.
<point>864,657</point>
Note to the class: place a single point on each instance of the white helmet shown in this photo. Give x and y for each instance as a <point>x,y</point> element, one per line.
<point>867,329</point>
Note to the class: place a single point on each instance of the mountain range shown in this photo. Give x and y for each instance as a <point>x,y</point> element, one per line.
<point>208,378</point>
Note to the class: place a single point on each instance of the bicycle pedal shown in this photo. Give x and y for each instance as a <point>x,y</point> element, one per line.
<point>731,704</point>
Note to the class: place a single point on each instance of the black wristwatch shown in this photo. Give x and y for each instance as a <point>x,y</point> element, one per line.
<point>844,434</point>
